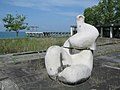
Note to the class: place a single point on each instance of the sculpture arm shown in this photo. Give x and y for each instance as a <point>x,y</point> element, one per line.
<point>67,43</point>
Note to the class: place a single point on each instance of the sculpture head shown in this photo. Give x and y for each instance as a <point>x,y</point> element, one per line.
<point>80,18</point>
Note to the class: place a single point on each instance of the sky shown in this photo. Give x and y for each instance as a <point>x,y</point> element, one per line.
<point>48,15</point>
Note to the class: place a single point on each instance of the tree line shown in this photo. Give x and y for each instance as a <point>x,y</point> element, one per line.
<point>106,12</point>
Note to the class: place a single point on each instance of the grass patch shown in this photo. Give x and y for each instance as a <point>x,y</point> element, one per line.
<point>117,65</point>
<point>29,44</point>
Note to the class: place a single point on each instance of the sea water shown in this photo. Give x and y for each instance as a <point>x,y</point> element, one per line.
<point>6,35</point>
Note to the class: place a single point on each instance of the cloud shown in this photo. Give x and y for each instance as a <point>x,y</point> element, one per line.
<point>21,3</point>
<point>1,26</point>
<point>56,6</point>
<point>1,23</point>
<point>69,13</point>
<point>52,3</point>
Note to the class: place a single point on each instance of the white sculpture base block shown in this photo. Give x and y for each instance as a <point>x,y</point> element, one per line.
<point>78,66</point>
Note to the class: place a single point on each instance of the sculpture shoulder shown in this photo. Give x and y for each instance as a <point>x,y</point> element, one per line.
<point>89,26</point>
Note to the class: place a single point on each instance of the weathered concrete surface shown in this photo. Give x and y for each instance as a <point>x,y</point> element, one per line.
<point>21,57</point>
<point>27,72</point>
<point>32,75</point>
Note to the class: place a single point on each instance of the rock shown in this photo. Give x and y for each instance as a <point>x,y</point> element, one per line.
<point>8,85</point>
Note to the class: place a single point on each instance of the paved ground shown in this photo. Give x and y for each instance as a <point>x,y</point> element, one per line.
<point>27,72</point>
<point>31,75</point>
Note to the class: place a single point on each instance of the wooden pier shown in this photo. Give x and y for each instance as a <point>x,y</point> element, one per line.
<point>47,34</point>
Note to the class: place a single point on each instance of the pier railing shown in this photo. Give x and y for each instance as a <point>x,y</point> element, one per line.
<point>47,34</point>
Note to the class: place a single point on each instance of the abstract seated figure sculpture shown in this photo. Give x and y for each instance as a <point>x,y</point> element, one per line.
<point>73,62</point>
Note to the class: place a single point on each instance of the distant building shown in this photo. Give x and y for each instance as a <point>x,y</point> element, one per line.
<point>73,29</point>
<point>108,30</point>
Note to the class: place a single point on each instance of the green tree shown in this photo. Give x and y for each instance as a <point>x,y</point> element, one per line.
<point>88,13</point>
<point>16,23</point>
<point>117,13</point>
<point>106,12</point>
<point>93,15</point>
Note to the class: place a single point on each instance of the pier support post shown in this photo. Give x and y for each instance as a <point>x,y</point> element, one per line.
<point>111,32</point>
<point>101,32</point>
<point>71,30</point>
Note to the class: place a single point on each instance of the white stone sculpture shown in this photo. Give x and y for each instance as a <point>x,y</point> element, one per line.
<point>73,62</point>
